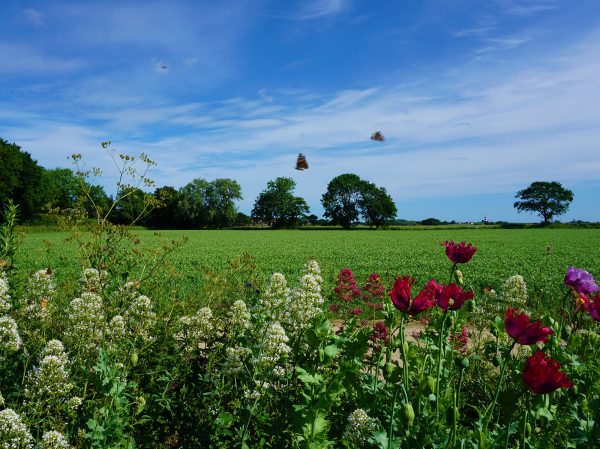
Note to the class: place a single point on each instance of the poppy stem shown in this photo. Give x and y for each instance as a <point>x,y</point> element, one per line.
<point>490,408</point>
<point>439,365</point>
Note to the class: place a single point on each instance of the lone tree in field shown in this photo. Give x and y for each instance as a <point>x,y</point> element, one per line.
<point>547,199</point>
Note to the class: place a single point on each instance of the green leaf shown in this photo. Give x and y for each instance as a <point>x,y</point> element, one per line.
<point>331,351</point>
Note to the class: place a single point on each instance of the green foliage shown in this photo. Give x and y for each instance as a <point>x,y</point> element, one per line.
<point>547,199</point>
<point>9,238</point>
<point>209,204</point>
<point>277,205</point>
<point>348,197</point>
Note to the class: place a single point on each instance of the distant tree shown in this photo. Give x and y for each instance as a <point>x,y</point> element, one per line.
<point>431,222</point>
<point>132,206</point>
<point>242,219</point>
<point>547,199</point>
<point>377,207</point>
<point>278,206</point>
<point>192,205</point>
<point>220,195</point>
<point>348,197</point>
<point>20,179</point>
<point>164,215</point>
<point>60,188</point>
<point>312,219</point>
<point>342,199</point>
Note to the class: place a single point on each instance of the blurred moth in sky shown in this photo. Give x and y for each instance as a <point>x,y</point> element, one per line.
<point>301,163</point>
<point>377,136</point>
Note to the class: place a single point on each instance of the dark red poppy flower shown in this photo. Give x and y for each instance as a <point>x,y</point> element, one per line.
<point>593,307</point>
<point>401,296</point>
<point>452,297</point>
<point>459,252</point>
<point>542,374</point>
<point>519,327</point>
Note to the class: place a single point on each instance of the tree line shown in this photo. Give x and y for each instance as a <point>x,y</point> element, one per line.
<point>199,204</point>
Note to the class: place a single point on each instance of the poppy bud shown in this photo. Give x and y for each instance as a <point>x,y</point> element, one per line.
<point>459,276</point>
<point>470,306</point>
<point>388,370</point>
<point>431,383</point>
<point>409,415</point>
<point>405,347</point>
<point>528,429</point>
<point>134,358</point>
<point>461,362</point>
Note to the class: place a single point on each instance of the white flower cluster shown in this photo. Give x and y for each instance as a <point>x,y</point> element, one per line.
<point>312,267</point>
<point>91,280</point>
<point>273,303</point>
<point>116,329</point>
<point>54,440</point>
<point>5,304</point>
<point>49,382</point>
<point>126,293</point>
<point>235,358</point>
<point>514,291</point>
<point>10,340</point>
<point>140,318</point>
<point>305,302</point>
<point>14,434</point>
<point>275,348</point>
<point>41,287</point>
<point>238,318</point>
<point>193,331</point>
<point>86,322</point>
<point>55,348</point>
<point>359,428</point>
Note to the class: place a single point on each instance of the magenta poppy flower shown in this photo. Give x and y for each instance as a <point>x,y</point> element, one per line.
<point>401,296</point>
<point>581,281</point>
<point>519,327</point>
<point>593,307</point>
<point>459,252</point>
<point>452,297</point>
<point>542,374</point>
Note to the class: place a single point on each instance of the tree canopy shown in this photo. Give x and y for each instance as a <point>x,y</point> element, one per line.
<point>209,204</point>
<point>547,199</point>
<point>348,197</point>
<point>278,206</point>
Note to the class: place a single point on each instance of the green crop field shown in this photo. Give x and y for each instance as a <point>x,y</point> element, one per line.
<point>541,256</point>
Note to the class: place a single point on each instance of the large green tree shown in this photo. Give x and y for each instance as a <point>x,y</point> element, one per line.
<point>60,188</point>
<point>209,204</point>
<point>376,206</point>
<point>348,197</point>
<point>20,179</point>
<point>165,214</point>
<point>547,199</point>
<point>342,199</point>
<point>278,206</point>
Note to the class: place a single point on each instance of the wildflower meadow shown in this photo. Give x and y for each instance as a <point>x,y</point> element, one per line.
<point>114,357</point>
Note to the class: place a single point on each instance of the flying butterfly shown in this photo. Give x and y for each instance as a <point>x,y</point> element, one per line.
<point>377,136</point>
<point>301,163</point>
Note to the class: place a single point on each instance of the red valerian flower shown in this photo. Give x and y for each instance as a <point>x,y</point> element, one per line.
<point>460,340</point>
<point>459,252</point>
<point>542,374</point>
<point>380,335</point>
<point>519,327</point>
<point>452,297</point>
<point>402,300</point>
<point>346,288</point>
<point>355,311</point>
<point>593,307</point>
<point>373,292</point>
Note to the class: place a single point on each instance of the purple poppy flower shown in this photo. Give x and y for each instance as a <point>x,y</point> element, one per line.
<point>581,281</point>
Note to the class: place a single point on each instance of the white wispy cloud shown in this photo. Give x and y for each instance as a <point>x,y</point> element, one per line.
<point>34,17</point>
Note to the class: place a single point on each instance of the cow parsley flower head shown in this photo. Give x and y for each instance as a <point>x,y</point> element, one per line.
<point>10,340</point>
<point>91,280</point>
<point>358,428</point>
<point>54,440</point>
<point>514,291</point>
<point>140,318</point>
<point>14,434</point>
<point>193,331</point>
<point>5,304</point>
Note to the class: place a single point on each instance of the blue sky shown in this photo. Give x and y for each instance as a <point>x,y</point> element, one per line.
<point>476,99</point>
